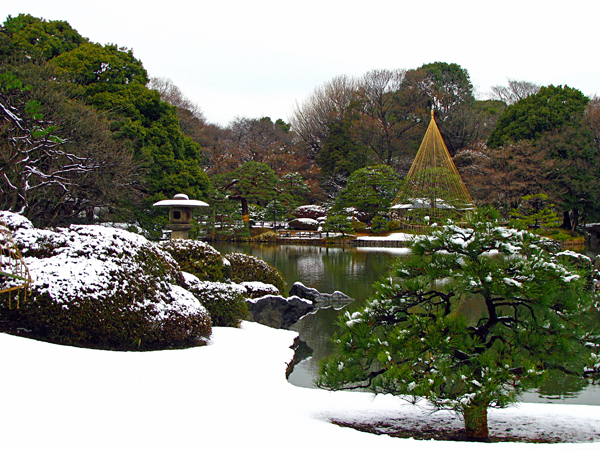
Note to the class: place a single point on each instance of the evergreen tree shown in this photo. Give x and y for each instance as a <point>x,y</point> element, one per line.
<point>413,339</point>
<point>371,190</point>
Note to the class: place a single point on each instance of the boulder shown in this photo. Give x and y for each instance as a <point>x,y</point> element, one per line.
<point>278,312</point>
<point>302,291</point>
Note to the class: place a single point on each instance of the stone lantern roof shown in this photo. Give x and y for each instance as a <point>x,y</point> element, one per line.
<point>180,214</point>
<point>180,200</point>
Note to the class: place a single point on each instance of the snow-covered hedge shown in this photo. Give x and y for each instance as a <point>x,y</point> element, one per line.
<point>103,287</point>
<point>226,302</point>
<point>249,268</point>
<point>197,258</point>
<point>310,212</point>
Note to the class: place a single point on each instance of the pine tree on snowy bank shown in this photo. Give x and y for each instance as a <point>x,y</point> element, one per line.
<point>413,339</point>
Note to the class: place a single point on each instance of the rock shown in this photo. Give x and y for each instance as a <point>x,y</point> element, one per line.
<point>278,312</point>
<point>298,289</point>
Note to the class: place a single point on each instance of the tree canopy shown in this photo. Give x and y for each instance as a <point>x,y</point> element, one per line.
<point>144,130</point>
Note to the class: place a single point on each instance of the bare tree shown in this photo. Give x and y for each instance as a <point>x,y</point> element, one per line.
<point>386,114</point>
<point>325,105</point>
<point>515,91</point>
<point>174,96</point>
<point>592,119</point>
<point>58,161</point>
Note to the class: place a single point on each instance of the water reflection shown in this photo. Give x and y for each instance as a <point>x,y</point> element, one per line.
<point>354,271</point>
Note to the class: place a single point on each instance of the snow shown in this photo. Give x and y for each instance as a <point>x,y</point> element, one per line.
<point>404,237</point>
<point>231,393</point>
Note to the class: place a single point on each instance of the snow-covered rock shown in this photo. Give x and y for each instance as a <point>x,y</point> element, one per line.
<point>304,224</point>
<point>310,212</point>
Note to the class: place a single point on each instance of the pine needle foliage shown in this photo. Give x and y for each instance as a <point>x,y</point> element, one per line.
<point>468,321</point>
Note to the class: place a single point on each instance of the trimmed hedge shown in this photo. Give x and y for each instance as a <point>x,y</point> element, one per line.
<point>249,268</point>
<point>225,302</point>
<point>197,258</point>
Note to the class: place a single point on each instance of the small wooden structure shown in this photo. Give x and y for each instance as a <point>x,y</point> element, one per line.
<point>180,214</point>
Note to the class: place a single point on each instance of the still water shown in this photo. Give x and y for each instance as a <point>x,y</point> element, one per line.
<point>353,271</point>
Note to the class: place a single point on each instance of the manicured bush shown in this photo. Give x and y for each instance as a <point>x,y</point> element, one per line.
<point>250,268</point>
<point>104,288</point>
<point>225,302</point>
<point>197,258</point>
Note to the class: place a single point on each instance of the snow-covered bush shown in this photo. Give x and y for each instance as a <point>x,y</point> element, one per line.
<point>197,258</point>
<point>256,289</point>
<point>250,268</point>
<point>304,224</point>
<point>225,302</point>
<point>103,287</point>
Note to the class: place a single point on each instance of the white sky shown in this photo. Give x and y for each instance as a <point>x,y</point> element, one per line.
<point>257,58</point>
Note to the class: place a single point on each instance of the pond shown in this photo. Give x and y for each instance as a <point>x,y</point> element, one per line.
<point>353,271</point>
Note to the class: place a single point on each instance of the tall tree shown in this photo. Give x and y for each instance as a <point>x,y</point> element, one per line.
<point>551,108</point>
<point>327,104</point>
<point>385,115</point>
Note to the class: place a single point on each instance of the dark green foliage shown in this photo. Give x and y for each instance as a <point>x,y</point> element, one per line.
<point>142,127</point>
<point>256,182</point>
<point>249,268</point>
<point>226,303</point>
<point>38,39</point>
<point>379,224</point>
<point>197,258</point>
<point>58,161</point>
<point>338,224</point>
<point>370,190</point>
<point>468,321</point>
<point>548,110</point>
<point>535,211</point>
<point>341,154</point>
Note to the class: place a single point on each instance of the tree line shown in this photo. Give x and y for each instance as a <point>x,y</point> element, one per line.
<point>88,135</point>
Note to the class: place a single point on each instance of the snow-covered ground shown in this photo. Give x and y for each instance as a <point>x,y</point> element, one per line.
<point>229,394</point>
<point>404,237</point>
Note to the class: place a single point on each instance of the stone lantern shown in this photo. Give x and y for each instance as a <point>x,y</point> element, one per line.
<point>180,214</point>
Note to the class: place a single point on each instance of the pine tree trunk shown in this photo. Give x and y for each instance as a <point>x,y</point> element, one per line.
<point>476,425</point>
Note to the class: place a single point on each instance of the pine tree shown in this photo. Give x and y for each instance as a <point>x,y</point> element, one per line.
<point>414,339</point>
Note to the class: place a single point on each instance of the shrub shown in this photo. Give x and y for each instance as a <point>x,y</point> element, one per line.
<point>359,227</point>
<point>225,302</point>
<point>250,268</point>
<point>394,225</point>
<point>197,258</point>
<point>379,224</point>
<point>104,288</point>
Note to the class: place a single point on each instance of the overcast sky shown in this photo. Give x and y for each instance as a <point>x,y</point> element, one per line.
<point>257,58</point>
